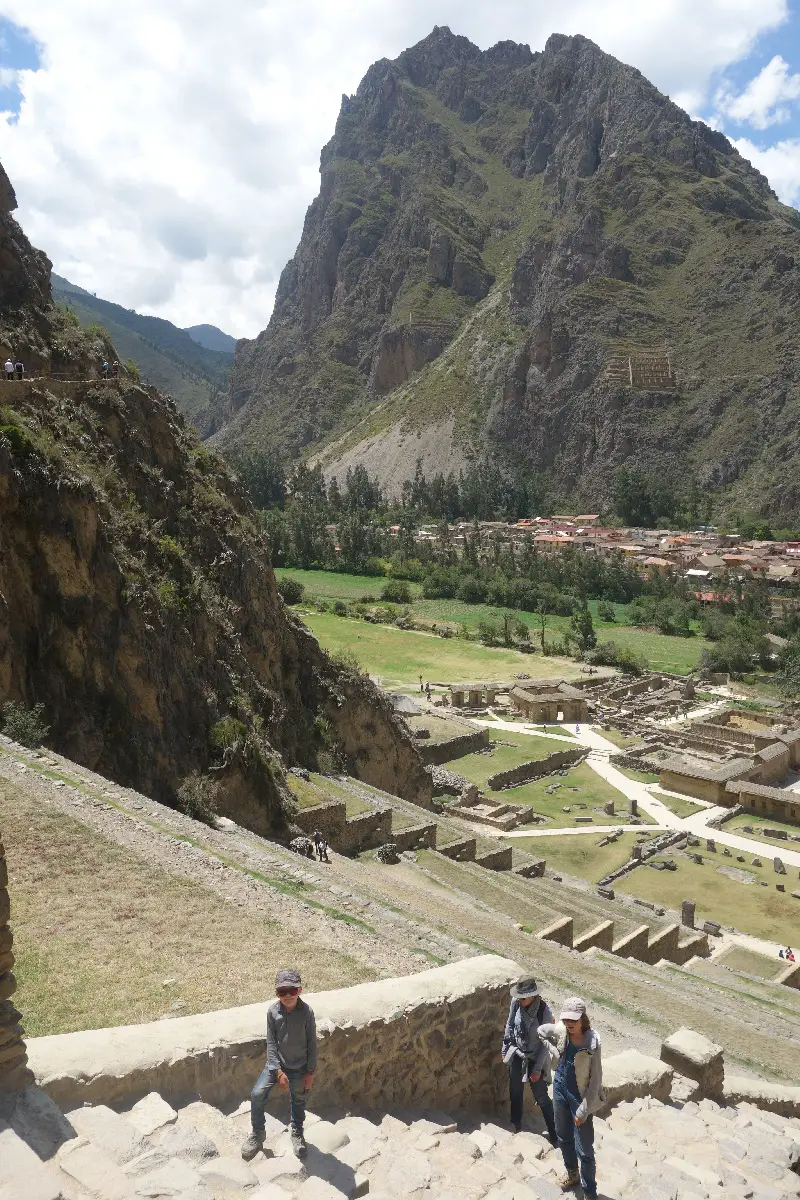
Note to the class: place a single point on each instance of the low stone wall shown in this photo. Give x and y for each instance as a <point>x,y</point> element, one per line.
<point>534,770</point>
<point>442,752</point>
<point>427,1040</point>
<point>329,818</point>
<point>496,860</point>
<point>462,850</point>
<point>417,838</point>
<point>789,976</point>
<point>14,1073</point>
<point>367,830</point>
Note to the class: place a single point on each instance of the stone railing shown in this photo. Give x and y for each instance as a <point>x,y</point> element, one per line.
<point>525,772</point>
<point>14,1073</point>
<point>427,1040</point>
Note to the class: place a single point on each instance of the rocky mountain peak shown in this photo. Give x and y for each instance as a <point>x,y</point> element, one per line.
<point>512,220</point>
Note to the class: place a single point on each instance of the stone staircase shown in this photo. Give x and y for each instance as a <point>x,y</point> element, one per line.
<point>646,1150</point>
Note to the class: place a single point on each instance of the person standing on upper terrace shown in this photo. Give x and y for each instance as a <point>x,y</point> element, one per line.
<point>9,369</point>
<point>526,1055</point>
<point>291,1062</point>
<point>20,369</point>
<point>577,1093</point>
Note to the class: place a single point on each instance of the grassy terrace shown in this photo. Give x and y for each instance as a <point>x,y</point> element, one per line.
<point>98,929</point>
<point>739,959</point>
<point>524,748</point>
<point>580,855</point>
<point>663,653</point>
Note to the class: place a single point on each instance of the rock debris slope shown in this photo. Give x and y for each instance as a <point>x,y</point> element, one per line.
<point>492,229</point>
<point>138,603</point>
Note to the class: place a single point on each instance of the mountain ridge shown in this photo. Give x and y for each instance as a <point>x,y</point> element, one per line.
<point>492,227</point>
<point>168,357</point>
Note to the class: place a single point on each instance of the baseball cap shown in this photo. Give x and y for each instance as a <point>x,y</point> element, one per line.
<point>574,1008</point>
<point>287,977</point>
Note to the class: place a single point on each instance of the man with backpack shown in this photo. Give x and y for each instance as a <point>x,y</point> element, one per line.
<point>526,1055</point>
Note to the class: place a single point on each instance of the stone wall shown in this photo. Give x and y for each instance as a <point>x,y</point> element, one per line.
<point>534,770</point>
<point>441,752</point>
<point>14,1073</point>
<point>427,1040</point>
<point>347,835</point>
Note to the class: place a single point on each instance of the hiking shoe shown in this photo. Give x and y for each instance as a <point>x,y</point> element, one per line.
<point>568,1181</point>
<point>252,1145</point>
<point>299,1143</point>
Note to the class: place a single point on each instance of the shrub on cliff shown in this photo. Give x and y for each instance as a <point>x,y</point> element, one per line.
<point>197,797</point>
<point>24,725</point>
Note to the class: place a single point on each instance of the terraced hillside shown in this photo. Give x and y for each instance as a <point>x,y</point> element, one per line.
<point>433,909</point>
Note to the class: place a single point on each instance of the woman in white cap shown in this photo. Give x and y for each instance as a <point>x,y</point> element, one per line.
<point>526,1055</point>
<point>577,1093</point>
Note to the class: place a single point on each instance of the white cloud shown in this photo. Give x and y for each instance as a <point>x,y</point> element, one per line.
<point>780,163</point>
<point>766,100</point>
<point>165,154</point>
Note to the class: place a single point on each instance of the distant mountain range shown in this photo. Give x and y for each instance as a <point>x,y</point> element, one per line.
<point>191,365</point>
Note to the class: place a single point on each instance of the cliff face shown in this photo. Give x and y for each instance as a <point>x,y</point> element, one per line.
<point>137,600</point>
<point>32,329</point>
<point>492,229</point>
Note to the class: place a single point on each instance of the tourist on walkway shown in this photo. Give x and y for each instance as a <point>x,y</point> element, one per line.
<point>115,369</point>
<point>526,1055</point>
<point>291,1062</point>
<point>790,953</point>
<point>9,369</point>
<point>20,369</point>
<point>577,1093</point>
<point>321,846</point>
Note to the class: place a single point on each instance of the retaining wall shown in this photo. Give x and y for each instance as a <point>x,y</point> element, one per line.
<point>427,1040</point>
<point>433,755</point>
<point>416,838</point>
<point>14,1073</point>
<point>534,770</point>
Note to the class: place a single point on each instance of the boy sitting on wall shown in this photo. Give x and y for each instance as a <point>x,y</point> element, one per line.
<point>291,1062</point>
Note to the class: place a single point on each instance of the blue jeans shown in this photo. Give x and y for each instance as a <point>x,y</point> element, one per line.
<point>576,1142</point>
<point>260,1094</point>
<point>540,1094</point>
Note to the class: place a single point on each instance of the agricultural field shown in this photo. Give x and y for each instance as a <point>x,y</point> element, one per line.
<point>663,653</point>
<point>399,656</point>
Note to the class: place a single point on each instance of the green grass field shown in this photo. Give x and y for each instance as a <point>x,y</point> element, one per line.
<point>740,959</point>
<point>525,748</point>
<point>663,653</point>
<point>622,740</point>
<point>580,856</point>
<point>592,790</point>
<point>320,790</point>
<point>761,822</point>
<point>760,911</point>
<point>677,804</point>
<point>399,656</point>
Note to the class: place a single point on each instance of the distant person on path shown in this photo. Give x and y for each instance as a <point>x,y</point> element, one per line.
<point>780,953</point>
<point>115,369</point>
<point>321,846</point>
<point>9,369</point>
<point>526,1055</point>
<point>291,1062</point>
<point>790,953</point>
<point>105,370</point>
<point>577,1093</point>
<point>20,369</point>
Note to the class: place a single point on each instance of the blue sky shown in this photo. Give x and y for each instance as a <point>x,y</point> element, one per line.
<point>163,155</point>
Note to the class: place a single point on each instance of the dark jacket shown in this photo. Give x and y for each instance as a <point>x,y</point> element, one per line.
<point>523,1040</point>
<point>291,1037</point>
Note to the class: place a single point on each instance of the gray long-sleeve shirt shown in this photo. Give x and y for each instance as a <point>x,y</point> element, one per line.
<point>291,1037</point>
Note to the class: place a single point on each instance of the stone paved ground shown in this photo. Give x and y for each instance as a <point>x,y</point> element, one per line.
<point>646,1150</point>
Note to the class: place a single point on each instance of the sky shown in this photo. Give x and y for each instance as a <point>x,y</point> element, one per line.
<point>163,155</point>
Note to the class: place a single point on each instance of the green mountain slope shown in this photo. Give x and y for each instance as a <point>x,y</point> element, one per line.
<point>493,230</point>
<point>167,357</point>
<point>212,338</point>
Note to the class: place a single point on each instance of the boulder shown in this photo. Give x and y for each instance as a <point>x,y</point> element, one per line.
<point>632,1074</point>
<point>696,1057</point>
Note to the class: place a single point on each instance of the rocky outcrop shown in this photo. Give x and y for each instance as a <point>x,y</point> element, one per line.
<point>137,599</point>
<point>558,212</point>
<point>138,604</point>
